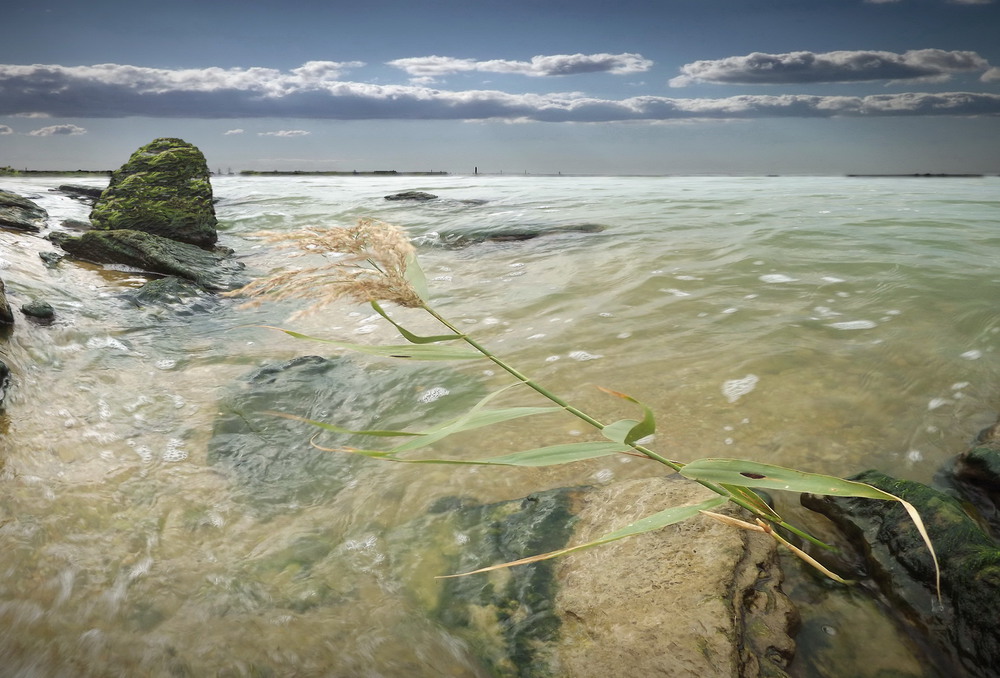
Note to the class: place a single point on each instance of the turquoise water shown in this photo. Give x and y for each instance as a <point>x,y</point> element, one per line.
<point>829,323</point>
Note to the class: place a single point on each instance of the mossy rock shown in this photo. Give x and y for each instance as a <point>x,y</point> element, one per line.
<point>163,189</point>
<point>964,628</point>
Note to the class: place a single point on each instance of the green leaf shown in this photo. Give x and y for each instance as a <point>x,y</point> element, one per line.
<point>337,429</point>
<point>753,499</point>
<point>410,336</point>
<point>619,430</point>
<point>406,351</point>
<point>472,421</point>
<point>755,474</point>
<point>414,275</point>
<point>559,454</point>
<point>476,417</point>
<point>672,515</point>
<point>640,429</point>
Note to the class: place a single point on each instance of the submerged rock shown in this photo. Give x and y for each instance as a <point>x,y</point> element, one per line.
<point>36,308</point>
<point>695,599</point>
<point>467,238</point>
<point>411,195</point>
<point>179,295</point>
<point>163,189</point>
<point>213,272</point>
<point>20,214</point>
<point>975,476</point>
<point>87,193</point>
<point>964,630</point>
<point>271,457</point>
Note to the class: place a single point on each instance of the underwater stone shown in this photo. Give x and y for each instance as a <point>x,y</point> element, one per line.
<point>37,308</point>
<point>411,195</point>
<point>163,189</point>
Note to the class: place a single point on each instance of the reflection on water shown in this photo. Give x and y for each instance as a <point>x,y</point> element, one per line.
<point>829,324</point>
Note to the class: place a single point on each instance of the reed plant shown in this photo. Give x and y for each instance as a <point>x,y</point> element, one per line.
<point>374,263</point>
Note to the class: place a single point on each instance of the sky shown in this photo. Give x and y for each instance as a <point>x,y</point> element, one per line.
<point>513,86</point>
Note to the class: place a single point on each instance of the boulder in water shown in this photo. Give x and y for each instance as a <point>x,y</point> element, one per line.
<point>37,308</point>
<point>412,195</point>
<point>20,214</point>
<point>163,189</point>
<point>86,193</point>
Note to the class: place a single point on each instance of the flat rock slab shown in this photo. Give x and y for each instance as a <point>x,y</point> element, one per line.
<point>694,599</point>
<point>20,214</point>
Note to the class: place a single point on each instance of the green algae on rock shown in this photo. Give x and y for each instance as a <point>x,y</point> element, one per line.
<point>163,189</point>
<point>963,629</point>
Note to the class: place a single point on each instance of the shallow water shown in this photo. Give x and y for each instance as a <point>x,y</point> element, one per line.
<point>832,324</point>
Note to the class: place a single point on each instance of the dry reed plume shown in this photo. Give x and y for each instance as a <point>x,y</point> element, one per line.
<point>367,262</point>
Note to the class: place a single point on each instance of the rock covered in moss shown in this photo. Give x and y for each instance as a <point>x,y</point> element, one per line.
<point>894,556</point>
<point>163,189</point>
<point>213,272</point>
<point>20,214</point>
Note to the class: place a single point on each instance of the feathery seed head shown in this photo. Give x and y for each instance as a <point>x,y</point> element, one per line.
<point>367,263</point>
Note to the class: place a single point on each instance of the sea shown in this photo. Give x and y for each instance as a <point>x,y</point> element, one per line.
<point>828,323</point>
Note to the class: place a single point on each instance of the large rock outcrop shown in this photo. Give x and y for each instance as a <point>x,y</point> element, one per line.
<point>163,189</point>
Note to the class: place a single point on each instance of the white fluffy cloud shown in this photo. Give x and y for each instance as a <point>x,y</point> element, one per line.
<point>285,133</point>
<point>4,129</point>
<point>58,130</point>
<point>843,66</point>
<point>230,132</point>
<point>539,66</point>
<point>311,92</point>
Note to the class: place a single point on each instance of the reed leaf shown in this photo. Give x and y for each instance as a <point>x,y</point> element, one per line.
<point>410,336</point>
<point>406,351</point>
<point>670,516</point>
<point>767,476</point>
<point>640,429</point>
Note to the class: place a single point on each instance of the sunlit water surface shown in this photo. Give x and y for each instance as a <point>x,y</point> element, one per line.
<point>832,324</point>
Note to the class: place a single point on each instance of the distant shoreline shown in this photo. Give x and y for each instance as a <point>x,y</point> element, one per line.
<point>10,172</point>
<point>372,173</point>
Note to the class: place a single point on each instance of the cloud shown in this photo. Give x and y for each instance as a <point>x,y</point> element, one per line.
<point>4,129</point>
<point>992,75</point>
<point>430,67</point>
<point>114,92</point>
<point>58,130</point>
<point>230,132</point>
<point>844,66</point>
<point>285,133</point>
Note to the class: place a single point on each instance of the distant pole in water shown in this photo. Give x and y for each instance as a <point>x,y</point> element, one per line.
<point>477,169</point>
